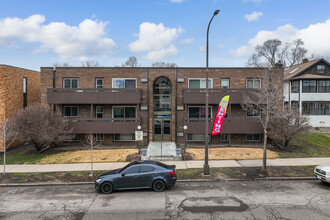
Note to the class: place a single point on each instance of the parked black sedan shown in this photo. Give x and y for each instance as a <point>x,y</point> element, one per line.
<point>137,175</point>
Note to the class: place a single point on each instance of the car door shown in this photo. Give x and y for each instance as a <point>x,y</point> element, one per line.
<point>129,177</point>
<point>146,177</point>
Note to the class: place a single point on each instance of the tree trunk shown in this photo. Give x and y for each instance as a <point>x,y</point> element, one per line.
<point>264,164</point>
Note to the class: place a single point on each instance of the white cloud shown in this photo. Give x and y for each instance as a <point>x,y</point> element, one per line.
<point>69,42</point>
<point>187,41</point>
<point>162,53</point>
<point>254,16</point>
<point>316,38</point>
<point>177,1</point>
<point>202,49</point>
<point>157,40</point>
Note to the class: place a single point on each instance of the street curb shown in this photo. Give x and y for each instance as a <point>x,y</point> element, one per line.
<point>181,181</point>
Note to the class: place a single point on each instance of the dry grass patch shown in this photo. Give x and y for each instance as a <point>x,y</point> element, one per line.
<point>84,156</point>
<point>230,153</point>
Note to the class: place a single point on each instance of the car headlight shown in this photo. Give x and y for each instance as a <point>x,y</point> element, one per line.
<point>98,180</point>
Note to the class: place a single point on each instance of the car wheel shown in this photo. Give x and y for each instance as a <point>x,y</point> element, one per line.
<point>158,186</point>
<point>106,188</point>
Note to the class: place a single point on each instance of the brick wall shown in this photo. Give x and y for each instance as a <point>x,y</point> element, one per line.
<point>11,89</point>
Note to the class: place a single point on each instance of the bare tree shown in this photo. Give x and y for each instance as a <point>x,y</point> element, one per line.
<point>316,56</point>
<point>131,62</point>
<point>38,125</point>
<point>61,65</point>
<point>91,63</point>
<point>163,64</point>
<point>272,53</point>
<point>287,124</point>
<point>91,143</point>
<point>262,103</point>
<point>8,135</point>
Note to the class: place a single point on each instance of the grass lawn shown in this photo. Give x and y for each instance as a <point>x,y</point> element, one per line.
<point>311,145</point>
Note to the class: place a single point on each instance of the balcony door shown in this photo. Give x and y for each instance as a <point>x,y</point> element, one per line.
<point>162,109</point>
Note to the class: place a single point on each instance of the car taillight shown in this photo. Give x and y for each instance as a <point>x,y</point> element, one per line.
<point>172,172</point>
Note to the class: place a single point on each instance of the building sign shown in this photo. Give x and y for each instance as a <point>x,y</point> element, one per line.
<point>139,135</point>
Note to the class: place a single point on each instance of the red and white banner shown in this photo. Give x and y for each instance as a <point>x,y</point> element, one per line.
<point>220,115</point>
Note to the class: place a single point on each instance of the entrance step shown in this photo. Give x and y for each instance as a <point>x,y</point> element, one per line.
<point>162,150</point>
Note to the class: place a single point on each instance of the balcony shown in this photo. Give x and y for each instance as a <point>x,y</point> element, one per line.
<point>229,126</point>
<point>93,96</point>
<point>197,96</point>
<point>104,125</point>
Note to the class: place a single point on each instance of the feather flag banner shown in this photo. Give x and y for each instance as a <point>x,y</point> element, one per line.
<point>220,115</point>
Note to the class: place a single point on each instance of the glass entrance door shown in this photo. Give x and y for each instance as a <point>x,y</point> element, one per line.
<point>162,129</point>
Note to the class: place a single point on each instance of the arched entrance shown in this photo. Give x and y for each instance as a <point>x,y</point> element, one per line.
<point>162,106</point>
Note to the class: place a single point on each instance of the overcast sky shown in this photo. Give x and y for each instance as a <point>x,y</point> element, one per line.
<point>36,33</point>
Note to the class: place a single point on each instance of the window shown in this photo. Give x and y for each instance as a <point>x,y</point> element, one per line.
<point>224,138</point>
<point>70,111</point>
<point>324,108</point>
<point>124,83</point>
<point>198,112</point>
<point>123,112</point>
<point>24,92</point>
<point>146,169</point>
<point>253,137</point>
<point>309,86</point>
<point>99,137</point>
<point>323,86</point>
<point>71,137</point>
<point>99,83</point>
<point>132,170</point>
<point>225,83</point>
<point>295,104</point>
<point>320,68</point>
<point>199,83</point>
<point>196,137</point>
<point>124,137</point>
<point>99,111</point>
<point>253,112</point>
<point>295,86</point>
<point>309,108</point>
<point>253,83</point>
<point>69,83</point>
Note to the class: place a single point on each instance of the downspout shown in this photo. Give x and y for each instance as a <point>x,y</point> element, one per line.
<point>54,86</point>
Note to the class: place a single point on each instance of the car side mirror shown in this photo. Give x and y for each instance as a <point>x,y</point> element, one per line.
<point>123,174</point>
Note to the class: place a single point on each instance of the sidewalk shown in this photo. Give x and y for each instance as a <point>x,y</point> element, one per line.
<point>179,165</point>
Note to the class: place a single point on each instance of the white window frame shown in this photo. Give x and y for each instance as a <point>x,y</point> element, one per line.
<point>210,137</point>
<point>254,116</point>
<point>114,138</point>
<point>99,112</point>
<point>70,78</point>
<point>71,107</point>
<point>120,106</point>
<point>228,83</point>
<point>99,137</point>
<point>253,83</point>
<point>98,78</point>
<point>210,87</point>
<point>320,69</point>
<point>224,141</point>
<point>114,79</point>
<point>198,106</point>
<point>252,140</point>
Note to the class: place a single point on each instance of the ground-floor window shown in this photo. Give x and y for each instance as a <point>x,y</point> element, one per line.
<point>316,108</point>
<point>124,137</point>
<point>224,138</point>
<point>72,137</point>
<point>253,137</point>
<point>99,137</point>
<point>196,137</point>
<point>70,111</point>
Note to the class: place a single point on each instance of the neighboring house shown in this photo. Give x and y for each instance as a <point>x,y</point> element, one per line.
<point>307,86</point>
<point>114,102</point>
<point>18,88</point>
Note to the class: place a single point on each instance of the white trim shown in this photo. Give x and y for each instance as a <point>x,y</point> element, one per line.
<point>114,138</point>
<point>113,79</point>
<point>224,141</point>
<point>70,106</point>
<point>123,106</point>
<point>201,79</point>
<point>198,106</point>
<point>64,78</point>
<point>96,78</point>
<point>259,79</point>
<point>210,137</point>
<point>99,112</point>
<point>228,83</point>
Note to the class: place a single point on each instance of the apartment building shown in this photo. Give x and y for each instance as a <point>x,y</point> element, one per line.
<point>115,102</point>
<point>18,89</point>
<point>307,86</point>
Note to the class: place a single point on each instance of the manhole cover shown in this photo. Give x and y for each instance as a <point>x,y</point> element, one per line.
<point>213,204</point>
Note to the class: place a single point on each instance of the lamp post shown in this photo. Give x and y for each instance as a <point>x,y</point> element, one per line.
<point>206,167</point>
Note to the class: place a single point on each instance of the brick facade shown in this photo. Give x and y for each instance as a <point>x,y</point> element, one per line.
<point>237,80</point>
<point>11,90</point>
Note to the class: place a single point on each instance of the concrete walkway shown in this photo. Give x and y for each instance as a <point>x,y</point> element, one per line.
<point>179,165</point>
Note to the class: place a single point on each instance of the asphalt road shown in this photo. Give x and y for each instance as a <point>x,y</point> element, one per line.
<point>192,200</point>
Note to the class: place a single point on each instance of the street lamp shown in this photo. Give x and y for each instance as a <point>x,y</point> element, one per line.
<point>206,168</point>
